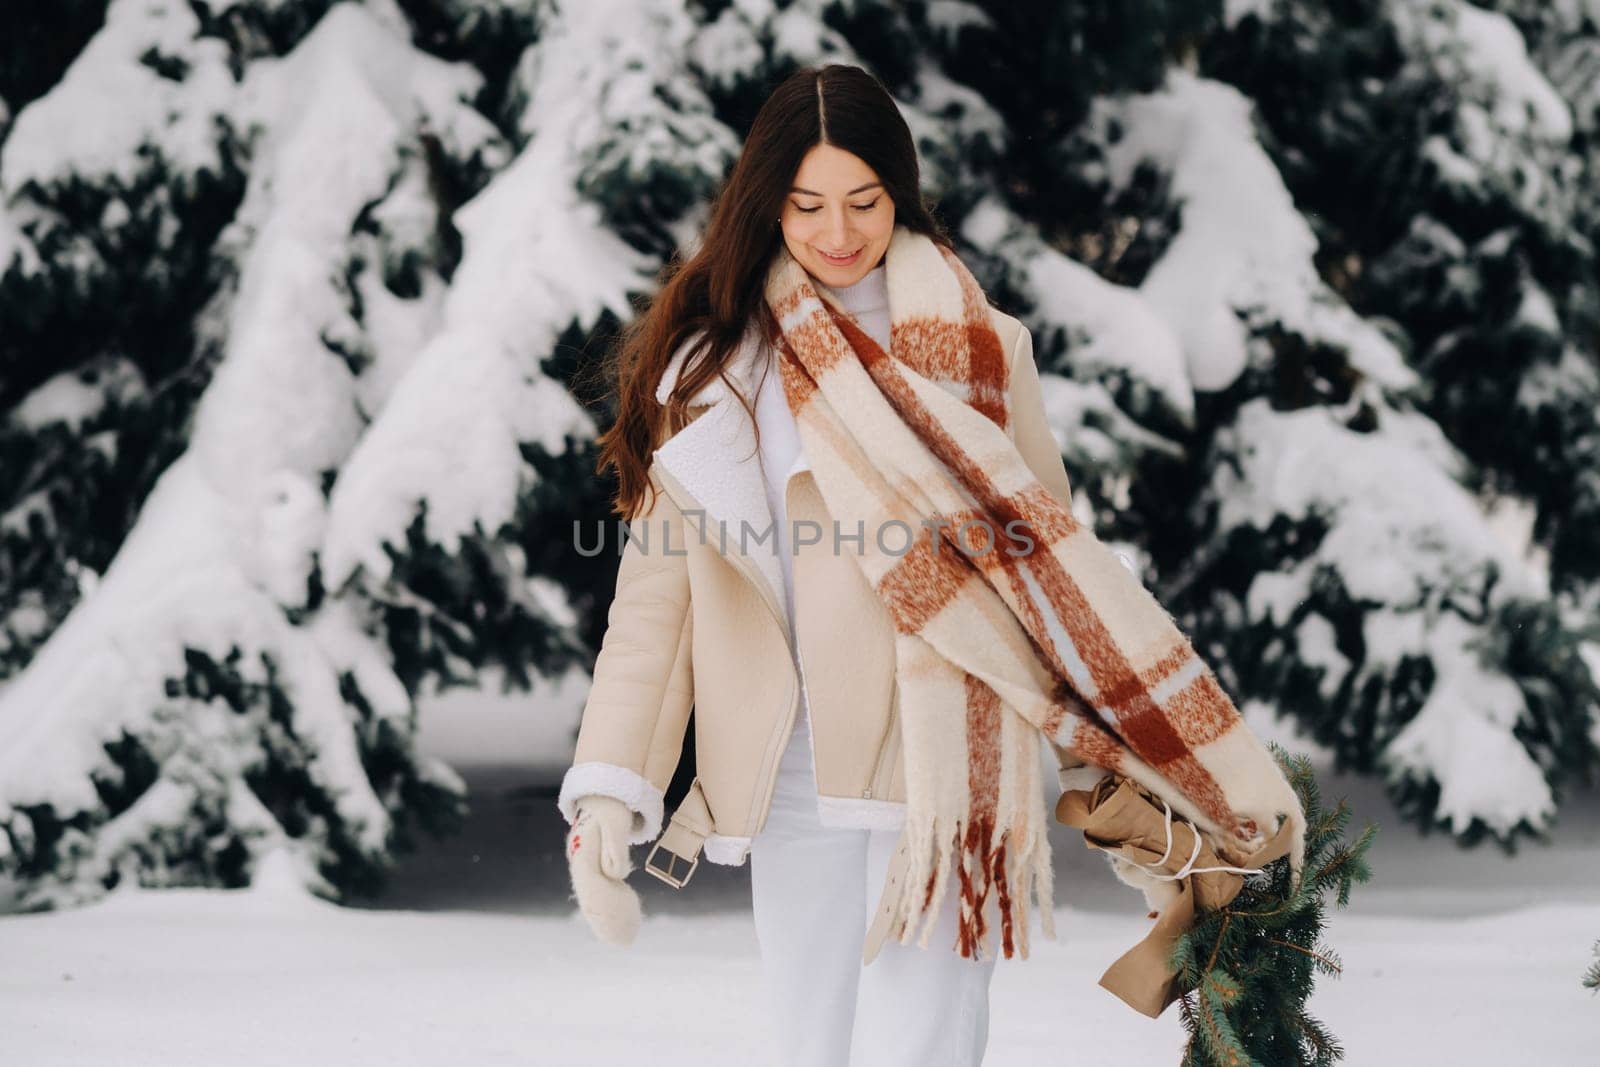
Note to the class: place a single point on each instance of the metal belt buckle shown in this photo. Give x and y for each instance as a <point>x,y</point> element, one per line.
<point>668,874</point>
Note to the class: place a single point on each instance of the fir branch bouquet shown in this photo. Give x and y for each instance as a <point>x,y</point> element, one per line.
<point>1250,965</point>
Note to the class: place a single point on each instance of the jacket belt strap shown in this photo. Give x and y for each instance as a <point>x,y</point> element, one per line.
<point>899,865</point>
<point>676,853</point>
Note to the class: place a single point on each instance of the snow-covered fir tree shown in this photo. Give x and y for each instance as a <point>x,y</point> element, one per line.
<point>1437,629</point>
<point>302,305</point>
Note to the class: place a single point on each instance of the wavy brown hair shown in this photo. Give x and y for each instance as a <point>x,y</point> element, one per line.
<point>718,288</point>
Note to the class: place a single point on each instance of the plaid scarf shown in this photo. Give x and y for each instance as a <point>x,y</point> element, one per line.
<point>1018,624</point>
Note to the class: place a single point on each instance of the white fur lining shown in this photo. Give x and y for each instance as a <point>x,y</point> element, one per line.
<point>633,789</point>
<point>728,851</point>
<point>741,368</point>
<point>716,461</point>
<point>858,813</point>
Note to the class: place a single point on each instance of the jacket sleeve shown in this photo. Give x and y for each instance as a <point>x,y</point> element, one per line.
<point>1029,426</point>
<point>633,725</point>
<point>1031,431</point>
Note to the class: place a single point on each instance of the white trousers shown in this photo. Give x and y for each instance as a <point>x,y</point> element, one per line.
<point>814,891</point>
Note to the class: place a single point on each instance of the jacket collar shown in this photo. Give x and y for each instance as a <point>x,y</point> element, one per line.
<point>743,368</point>
<point>715,459</point>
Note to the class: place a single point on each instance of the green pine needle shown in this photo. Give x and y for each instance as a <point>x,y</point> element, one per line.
<point>1249,968</point>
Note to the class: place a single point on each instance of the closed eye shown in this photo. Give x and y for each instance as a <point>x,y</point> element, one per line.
<point>858,207</point>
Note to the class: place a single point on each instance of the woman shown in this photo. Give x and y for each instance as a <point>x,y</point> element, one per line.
<point>824,358</point>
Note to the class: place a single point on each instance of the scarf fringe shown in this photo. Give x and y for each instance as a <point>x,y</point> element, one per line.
<point>984,858</point>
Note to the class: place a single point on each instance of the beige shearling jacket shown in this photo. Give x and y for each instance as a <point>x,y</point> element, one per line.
<point>696,624</point>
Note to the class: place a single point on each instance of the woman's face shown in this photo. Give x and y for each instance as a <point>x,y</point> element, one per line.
<point>837,205</point>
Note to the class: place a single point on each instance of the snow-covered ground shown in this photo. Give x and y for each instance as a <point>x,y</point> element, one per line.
<point>475,955</point>
<point>1466,956</point>
<point>265,976</point>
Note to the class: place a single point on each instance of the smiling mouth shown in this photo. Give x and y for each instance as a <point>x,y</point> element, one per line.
<point>838,255</point>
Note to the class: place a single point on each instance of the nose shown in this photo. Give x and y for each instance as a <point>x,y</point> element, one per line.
<point>836,234</point>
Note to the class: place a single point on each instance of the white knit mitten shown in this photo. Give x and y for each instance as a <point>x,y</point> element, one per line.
<point>1158,892</point>
<point>597,859</point>
<point>1276,800</point>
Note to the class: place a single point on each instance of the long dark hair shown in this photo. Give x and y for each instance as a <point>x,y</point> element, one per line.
<point>718,289</point>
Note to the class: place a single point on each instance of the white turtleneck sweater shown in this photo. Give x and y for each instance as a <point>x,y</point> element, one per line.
<point>867,301</point>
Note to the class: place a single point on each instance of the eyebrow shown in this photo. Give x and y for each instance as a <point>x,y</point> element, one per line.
<point>852,192</point>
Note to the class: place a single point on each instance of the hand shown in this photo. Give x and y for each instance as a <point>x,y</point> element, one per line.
<point>1158,892</point>
<point>597,859</point>
<point>1297,846</point>
<point>1287,816</point>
